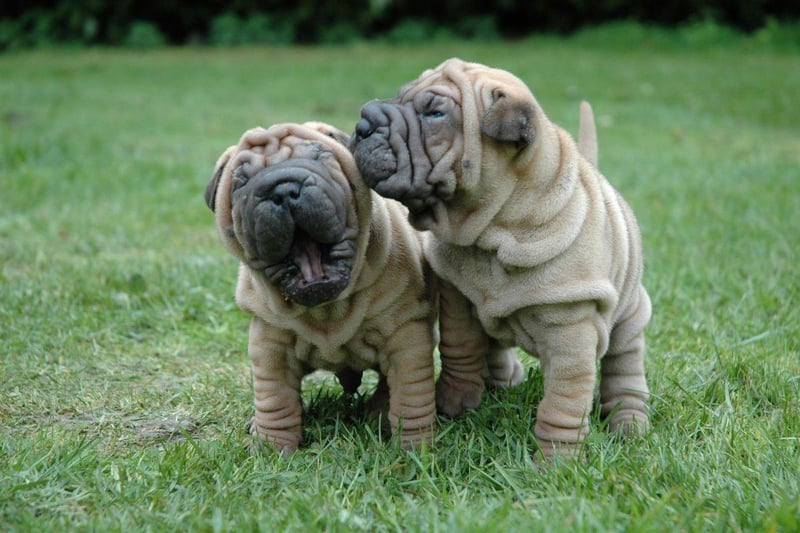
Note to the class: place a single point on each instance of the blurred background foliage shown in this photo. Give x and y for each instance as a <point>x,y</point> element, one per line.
<point>149,23</point>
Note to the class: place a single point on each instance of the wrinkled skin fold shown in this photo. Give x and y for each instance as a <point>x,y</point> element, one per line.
<point>291,216</point>
<point>534,247</point>
<point>291,219</point>
<point>333,276</point>
<point>406,151</point>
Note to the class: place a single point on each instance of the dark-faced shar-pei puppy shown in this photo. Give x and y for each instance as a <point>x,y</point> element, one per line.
<point>332,273</point>
<point>535,247</point>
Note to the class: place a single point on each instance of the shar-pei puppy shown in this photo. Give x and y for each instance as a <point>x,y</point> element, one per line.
<point>332,274</point>
<point>533,246</point>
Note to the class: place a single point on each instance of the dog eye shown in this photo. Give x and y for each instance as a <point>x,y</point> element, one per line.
<point>433,113</point>
<point>240,178</point>
<point>238,183</point>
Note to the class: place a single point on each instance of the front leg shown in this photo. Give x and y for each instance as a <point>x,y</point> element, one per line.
<point>462,349</point>
<point>566,340</point>
<point>408,367</point>
<point>276,387</point>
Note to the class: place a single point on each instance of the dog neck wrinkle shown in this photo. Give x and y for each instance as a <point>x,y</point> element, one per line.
<point>548,191</point>
<point>543,220</point>
<point>375,247</point>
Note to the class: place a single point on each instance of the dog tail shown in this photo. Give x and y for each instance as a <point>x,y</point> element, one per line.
<point>587,134</point>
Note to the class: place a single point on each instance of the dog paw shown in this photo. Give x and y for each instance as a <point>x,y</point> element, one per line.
<point>454,396</point>
<point>283,442</point>
<point>503,371</point>
<point>552,452</point>
<point>629,422</point>
<point>414,440</point>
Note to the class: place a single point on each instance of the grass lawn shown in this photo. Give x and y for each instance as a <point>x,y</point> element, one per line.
<point>125,380</point>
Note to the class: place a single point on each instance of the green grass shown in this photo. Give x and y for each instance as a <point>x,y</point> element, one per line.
<point>125,380</point>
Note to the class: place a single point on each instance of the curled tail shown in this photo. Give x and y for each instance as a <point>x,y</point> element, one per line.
<point>587,134</point>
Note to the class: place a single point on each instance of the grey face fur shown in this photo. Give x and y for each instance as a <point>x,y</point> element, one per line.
<point>291,220</point>
<point>404,149</point>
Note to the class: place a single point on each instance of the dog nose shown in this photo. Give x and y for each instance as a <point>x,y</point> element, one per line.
<point>364,128</point>
<point>288,190</point>
<point>373,117</point>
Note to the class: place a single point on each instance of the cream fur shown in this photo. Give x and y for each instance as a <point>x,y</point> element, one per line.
<point>537,250</point>
<point>383,319</point>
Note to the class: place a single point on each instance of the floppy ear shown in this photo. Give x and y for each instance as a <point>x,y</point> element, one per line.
<point>339,136</point>
<point>509,119</point>
<point>333,132</point>
<point>211,188</point>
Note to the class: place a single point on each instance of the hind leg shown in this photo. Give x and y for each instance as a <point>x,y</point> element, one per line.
<point>623,386</point>
<point>503,368</point>
<point>349,379</point>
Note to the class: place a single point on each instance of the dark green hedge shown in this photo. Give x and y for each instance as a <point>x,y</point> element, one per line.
<point>150,22</point>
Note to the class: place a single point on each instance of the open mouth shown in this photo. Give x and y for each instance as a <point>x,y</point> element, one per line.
<point>315,273</point>
<point>292,221</point>
<point>307,256</point>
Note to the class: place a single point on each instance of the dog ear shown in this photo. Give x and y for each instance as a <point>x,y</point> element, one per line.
<point>509,119</point>
<point>335,133</point>
<point>331,131</point>
<point>339,136</point>
<point>211,188</point>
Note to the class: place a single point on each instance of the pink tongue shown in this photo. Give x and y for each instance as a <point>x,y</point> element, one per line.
<point>310,262</point>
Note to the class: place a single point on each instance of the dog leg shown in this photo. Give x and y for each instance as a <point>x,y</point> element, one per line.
<point>623,387</point>
<point>409,374</point>
<point>276,387</point>
<point>377,407</point>
<point>349,379</point>
<point>567,347</point>
<point>462,349</point>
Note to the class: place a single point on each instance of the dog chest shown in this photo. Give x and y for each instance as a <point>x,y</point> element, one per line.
<point>355,354</point>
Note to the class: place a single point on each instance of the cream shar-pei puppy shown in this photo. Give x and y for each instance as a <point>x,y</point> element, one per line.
<point>535,247</point>
<point>332,273</point>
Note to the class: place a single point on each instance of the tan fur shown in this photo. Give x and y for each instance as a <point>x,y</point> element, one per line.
<point>383,319</point>
<point>537,250</point>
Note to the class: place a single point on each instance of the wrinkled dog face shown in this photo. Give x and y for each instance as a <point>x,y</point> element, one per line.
<point>290,218</point>
<point>418,147</point>
<point>410,148</point>
<point>293,218</point>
